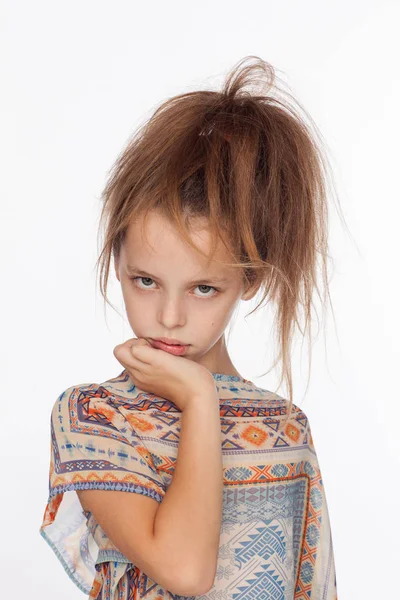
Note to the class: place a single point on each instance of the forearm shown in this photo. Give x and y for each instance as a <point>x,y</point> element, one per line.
<point>188,520</point>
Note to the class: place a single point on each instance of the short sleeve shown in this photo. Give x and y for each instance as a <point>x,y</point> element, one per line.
<point>93,445</point>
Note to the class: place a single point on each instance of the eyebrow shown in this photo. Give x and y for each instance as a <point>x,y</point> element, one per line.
<point>135,270</point>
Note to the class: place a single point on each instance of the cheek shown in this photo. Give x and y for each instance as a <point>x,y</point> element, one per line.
<point>229,310</point>
<point>215,318</point>
<point>138,308</point>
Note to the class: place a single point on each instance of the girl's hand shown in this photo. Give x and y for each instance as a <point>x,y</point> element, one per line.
<point>158,372</point>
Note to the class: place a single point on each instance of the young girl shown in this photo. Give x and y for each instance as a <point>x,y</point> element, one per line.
<point>179,476</point>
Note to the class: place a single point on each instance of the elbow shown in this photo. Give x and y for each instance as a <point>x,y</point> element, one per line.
<point>192,582</point>
<point>201,582</point>
<point>202,588</point>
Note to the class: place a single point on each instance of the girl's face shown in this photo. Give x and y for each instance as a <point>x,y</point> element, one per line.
<point>168,293</point>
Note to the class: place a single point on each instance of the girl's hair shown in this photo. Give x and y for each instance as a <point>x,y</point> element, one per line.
<point>250,164</point>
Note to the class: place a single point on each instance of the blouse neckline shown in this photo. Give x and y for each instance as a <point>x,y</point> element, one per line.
<point>226,377</point>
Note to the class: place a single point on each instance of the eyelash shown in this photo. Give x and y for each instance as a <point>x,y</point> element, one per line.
<point>203,284</point>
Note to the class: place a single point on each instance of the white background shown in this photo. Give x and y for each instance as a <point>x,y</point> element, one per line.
<point>77,78</point>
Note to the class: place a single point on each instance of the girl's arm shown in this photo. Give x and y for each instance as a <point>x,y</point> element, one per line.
<point>188,520</point>
<point>174,542</point>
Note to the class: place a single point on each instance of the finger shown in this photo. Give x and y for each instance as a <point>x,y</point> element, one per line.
<point>131,342</point>
<point>137,342</point>
<point>128,344</point>
<point>144,352</point>
<point>125,354</point>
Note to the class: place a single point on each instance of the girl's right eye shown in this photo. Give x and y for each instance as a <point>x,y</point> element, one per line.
<point>148,278</point>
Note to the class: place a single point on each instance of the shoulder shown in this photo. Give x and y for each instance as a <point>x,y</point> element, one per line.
<point>92,409</point>
<point>68,397</point>
<point>278,405</point>
<point>74,404</point>
<point>296,426</point>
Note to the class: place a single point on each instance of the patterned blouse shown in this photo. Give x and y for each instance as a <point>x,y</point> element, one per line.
<point>275,537</point>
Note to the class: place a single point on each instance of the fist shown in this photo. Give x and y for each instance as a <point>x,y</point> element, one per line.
<point>155,371</point>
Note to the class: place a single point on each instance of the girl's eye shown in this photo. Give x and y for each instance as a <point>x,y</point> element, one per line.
<point>203,285</point>
<point>147,278</point>
<point>199,286</point>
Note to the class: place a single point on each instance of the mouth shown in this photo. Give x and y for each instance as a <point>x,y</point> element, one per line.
<point>176,349</point>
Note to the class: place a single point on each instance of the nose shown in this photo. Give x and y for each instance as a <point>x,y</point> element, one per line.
<point>171,313</point>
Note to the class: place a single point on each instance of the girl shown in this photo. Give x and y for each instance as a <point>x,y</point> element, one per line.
<point>188,479</point>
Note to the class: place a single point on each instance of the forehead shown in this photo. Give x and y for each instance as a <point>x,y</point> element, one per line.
<point>156,240</point>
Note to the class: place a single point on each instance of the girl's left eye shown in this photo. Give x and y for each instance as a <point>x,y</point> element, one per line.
<point>199,286</point>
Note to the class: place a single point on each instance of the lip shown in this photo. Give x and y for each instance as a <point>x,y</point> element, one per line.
<point>176,349</point>
<point>170,341</point>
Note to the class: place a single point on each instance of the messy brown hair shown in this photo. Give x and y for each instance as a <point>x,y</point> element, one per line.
<point>247,160</point>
